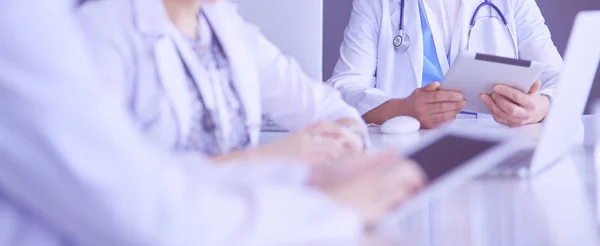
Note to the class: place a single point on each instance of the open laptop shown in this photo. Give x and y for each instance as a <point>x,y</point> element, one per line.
<point>582,60</point>
<point>452,156</point>
<point>456,155</point>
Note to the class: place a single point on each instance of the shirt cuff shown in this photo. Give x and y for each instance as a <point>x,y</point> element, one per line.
<point>371,101</point>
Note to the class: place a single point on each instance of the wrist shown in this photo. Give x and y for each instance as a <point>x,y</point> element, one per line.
<point>544,106</point>
<point>387,110</point>
<point>401,108</point>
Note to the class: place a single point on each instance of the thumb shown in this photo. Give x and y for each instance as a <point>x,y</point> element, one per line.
<point>432,86</point>
<point>377,159</point>
<point>535,88</point>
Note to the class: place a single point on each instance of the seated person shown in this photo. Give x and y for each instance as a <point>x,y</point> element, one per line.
<point>384,78</point>
<point>76,171</point>
<point>192,86</point>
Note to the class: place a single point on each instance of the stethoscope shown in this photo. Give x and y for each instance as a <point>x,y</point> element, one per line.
<point>209,112</point>
<point>402,40</point>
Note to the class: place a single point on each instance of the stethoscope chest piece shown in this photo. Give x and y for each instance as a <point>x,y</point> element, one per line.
<point>402,42</point>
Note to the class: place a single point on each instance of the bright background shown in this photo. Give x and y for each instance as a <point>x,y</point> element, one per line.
<point>312,30</point>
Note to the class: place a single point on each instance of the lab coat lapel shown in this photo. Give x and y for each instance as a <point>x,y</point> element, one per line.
<point>152,22</point>
<point>412,27</point>
<point>194,68</point>
<point>461,27</point>
<point>241,65</point>
<point>171,74</point>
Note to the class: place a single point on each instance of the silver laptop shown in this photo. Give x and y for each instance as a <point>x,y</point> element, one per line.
<point>582,59</point>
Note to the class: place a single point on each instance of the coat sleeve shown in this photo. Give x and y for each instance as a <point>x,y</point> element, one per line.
<point>355,72</point>
<point>288,95</point>
<point>111,46</point>
<point>535,43</point>
<point>79,167</point>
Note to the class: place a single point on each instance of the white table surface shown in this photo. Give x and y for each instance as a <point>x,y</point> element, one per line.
<point>380,140</point>
<point>558,207</point>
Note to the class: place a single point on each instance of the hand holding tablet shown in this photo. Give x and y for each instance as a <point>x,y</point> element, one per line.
<point>475,74</point>
<point>511,107</point>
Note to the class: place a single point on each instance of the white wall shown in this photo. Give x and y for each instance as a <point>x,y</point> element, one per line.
<point>295,26</point>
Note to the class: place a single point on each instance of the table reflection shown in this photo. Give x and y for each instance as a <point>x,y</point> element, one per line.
<point>555,208</point>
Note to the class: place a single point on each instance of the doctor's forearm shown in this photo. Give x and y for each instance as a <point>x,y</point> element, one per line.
<point>385,111</point>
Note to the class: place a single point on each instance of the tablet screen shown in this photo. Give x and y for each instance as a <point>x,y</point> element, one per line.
<point>447,153</point>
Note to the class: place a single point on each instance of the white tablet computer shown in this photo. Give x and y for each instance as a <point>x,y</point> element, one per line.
<point>474,74</point>
<point>454,156</point>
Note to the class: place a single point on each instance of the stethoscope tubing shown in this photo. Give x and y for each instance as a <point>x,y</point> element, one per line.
<point>402,40</point>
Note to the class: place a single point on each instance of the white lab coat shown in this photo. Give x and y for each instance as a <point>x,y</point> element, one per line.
<point>370,71</point>
<point>137,48</point>
<point>74,170</point>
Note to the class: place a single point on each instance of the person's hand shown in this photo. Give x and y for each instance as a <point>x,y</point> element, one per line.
<point>354,134</point>
<point>319,144</point>
<point>432,106</point>
<point>372,184</point>
<point>513,108</point>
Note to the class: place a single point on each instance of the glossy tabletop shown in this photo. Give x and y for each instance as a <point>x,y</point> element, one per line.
<point>557,207</point>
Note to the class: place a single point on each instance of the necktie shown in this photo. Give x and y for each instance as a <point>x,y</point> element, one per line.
<point>432,71</point>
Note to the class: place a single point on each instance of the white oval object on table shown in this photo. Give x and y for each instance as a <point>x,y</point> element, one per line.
<point>401,125</point>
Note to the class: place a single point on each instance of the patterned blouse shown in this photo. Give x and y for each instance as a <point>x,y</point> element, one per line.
<point>230,132</point>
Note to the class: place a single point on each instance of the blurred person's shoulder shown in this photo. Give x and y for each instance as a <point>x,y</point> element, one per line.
<point>106,17</point>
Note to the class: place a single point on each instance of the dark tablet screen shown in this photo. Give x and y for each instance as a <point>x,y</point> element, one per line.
<point>448,153</point>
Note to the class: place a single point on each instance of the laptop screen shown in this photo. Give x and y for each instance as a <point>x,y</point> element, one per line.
<point>448,153</point>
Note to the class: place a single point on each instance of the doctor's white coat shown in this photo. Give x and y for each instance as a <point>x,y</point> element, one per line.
<point>137,49</point>
<point>371,71</point>
<point>74,170</point>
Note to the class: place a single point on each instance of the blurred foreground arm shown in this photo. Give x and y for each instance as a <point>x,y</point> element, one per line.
<point>74,163</point>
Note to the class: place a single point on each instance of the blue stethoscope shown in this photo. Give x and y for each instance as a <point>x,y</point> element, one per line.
<point>402,40</point>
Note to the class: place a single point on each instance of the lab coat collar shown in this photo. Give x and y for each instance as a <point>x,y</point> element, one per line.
<point>412,27</point>
<point>150,17</point>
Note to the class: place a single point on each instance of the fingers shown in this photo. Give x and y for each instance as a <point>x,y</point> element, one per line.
<point>362,162</point>
<point>535,88</point>
<point>431,86</point>
<point>499,115</point>
<point>412,175</point>
<point>442,107</point>
<point>352,142</point>
<point>443,96</point>
<point>515,95</point>
<point>439,113</point>
<point>383,183</point>
<point>440,118</point>
<point>401,182</point>
<point>511,109</point>
<point>326,152</point>
<point>325,129</point>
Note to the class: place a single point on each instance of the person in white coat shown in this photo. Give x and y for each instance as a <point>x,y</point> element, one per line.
<point>383,81</point>
<point>75,170</point>
<point>199,78</point>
